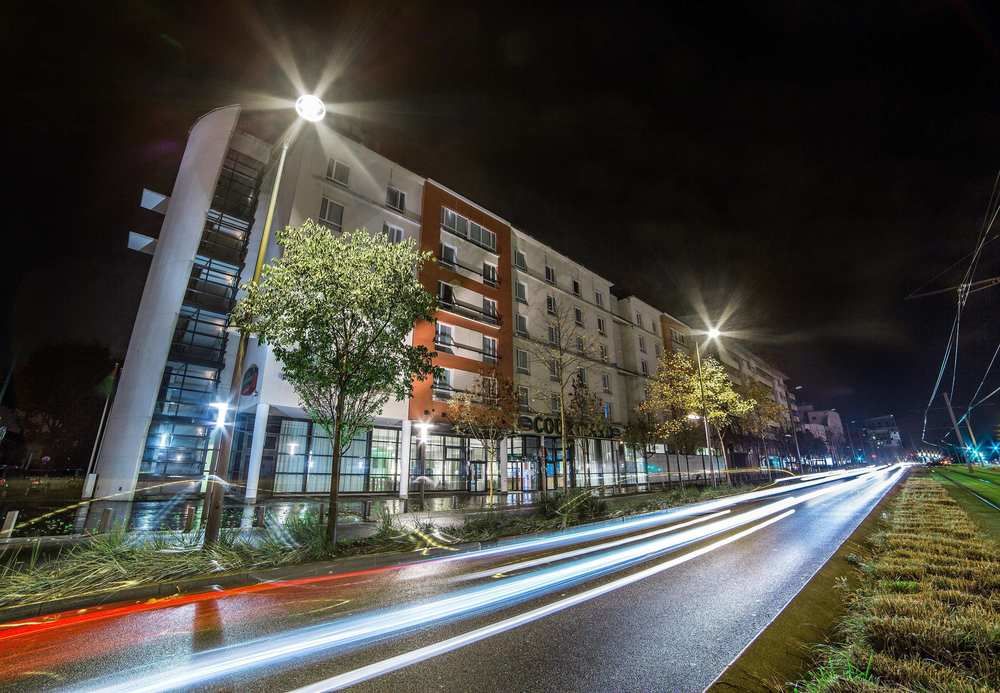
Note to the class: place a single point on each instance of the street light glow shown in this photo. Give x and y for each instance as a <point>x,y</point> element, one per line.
<point>221,408</point>
<point>310,108</point>
<point>713,333</point>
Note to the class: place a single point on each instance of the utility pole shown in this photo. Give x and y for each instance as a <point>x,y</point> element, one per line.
<point>791,423</point>
<point>958,433</point>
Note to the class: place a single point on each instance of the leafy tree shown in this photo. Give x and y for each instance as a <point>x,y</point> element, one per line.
<point>641,432</point>
<point>584,415</point>
<point>765,417</point>
<point>336,310</point>
<point>565,349</point>
<point>488,413</point>
<point>59,394</point>
<point>677,390</point>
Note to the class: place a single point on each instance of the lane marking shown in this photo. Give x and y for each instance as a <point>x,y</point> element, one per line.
<point>406,659</point>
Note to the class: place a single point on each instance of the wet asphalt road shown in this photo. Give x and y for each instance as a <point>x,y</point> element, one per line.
<point>675,630</point>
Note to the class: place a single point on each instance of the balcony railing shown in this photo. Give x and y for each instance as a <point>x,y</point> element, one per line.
<point>449,346</point>
<point>470,272</point>
<point>467,310</point>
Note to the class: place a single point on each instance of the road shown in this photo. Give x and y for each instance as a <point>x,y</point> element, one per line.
<point>656,602</point>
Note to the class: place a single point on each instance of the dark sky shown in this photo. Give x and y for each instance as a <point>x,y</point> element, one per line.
<point>810,165</point>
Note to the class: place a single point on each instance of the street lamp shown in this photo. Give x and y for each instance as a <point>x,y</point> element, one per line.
<point>311,109</point>
<point>713,334</point>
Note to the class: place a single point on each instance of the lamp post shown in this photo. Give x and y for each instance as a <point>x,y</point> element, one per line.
<point>311,109</point>
<point>791,423</point>
<point>713,333</point>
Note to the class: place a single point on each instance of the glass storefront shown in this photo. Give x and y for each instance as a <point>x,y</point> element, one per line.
<point>451,463</point>
<point>300,453</point>
<point>593,463</point>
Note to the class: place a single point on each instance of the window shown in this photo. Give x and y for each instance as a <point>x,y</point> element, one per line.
<point>396,199</point>
<point>554,370</point>
<point>449,255</point>
<point>490,308</point>
<point>554,403</point>
<point>581,376</point>
<point>521,357</point>
<point>519,260</point>
<point>331,213</point>
<point>606,382</point>
<point>550,304</point>
<point>658,350</point>
<point>576,287</point>
<point>579,344</point>
<point>521,292</point>
<point>677,337</point>
<point>638,318</point>
<point>578,314</point>
<point>523,398</point>
<point>599,298</point>
<point>607,410</point>
<point>480,235</point>
<point>338,172</point>
<point>460,226</point>
<point>601,326</point>
<point>446,293</point>
<point>489,274</point>
<point>489,349</point>
<point>488,388</point>
<point>604,353</point>
<point>642,344</point>
<point>644,367</point>
<point>553,335</point>
<point>550,275</point>
<point>442,384</point>
<point>444,337</point>
<point>393,233</point>
<point>521,325</point>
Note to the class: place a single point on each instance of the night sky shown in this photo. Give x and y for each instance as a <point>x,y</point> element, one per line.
<point>810,166</point>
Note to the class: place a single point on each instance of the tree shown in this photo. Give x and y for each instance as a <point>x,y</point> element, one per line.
<point>336,310</point>
<point>766,414</point>
<point>678,391</point>
<point>488,413</point>
<point>59,396</point>
<point>565,349</point>
<point>584,416</point>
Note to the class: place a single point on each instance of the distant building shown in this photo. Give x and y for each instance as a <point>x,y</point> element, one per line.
<point>826,425</point>
<point>881,439</point>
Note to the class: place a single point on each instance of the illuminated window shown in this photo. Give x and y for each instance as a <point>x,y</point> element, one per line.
<point>395,199</point>
<point>338,172</point>
<point>331,213</point>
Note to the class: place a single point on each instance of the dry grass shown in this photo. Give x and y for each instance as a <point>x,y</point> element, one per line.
<point>927,614</point>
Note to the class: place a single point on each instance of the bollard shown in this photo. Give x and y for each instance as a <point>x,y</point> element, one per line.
<point>9,520</point>
<point>366,510</point>
<point>258,516</point>
<point>107,515</point>
<point>322,512</point>
<point>187,519</point>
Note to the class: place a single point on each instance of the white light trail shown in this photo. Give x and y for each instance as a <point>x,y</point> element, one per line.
<point>385,666</point>
<point>342,633</point>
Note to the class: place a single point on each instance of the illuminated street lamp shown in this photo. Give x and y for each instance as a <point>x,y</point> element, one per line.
<point>311,109</point>
<point>713,334</point>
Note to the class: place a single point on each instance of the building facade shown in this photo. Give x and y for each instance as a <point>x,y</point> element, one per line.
<point>500,293</point>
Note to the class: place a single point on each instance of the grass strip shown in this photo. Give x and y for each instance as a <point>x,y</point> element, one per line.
<point>926,615</point>
<point>118,561</point>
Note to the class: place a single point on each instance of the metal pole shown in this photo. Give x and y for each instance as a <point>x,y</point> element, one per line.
<point>795,437</point>
<point>100,425</point>
<point>704,410</point>
<point>958,433</point>
<point>220,466</point>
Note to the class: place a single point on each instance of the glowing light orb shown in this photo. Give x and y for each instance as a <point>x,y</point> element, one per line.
<point>310,108</point>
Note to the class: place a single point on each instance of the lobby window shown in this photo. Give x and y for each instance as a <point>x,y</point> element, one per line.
<point>576,287</point>
<point>550,275</point>
<point>521,358</point>
<point>599,298</point>
<point>550,304</point>
<point>393,233</point>
<point>606,382</point>
<point>521,292</point>
<point>395,199</point>
<point>601,327</point>
<point>489,349</point>
<point>578,314</point>
<point>520,261</point>
<point>331,213</point>
<point>644,367</point>
<point>338,172</point>
<point>642,344</point>
<point>521,323</point>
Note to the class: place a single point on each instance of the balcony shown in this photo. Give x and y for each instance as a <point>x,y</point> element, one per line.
<point>469,272</point>
<point>467,310</point>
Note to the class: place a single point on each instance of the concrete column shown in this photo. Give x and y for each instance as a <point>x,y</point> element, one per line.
<point>404,459</point>
<point>256,449</point>
<point>502,461</point>
<point>180,234</point>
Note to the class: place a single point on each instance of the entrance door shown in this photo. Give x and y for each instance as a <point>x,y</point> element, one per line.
<point>477,477</point>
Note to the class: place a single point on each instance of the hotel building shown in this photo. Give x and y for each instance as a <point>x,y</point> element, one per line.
<point>497,290</point>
